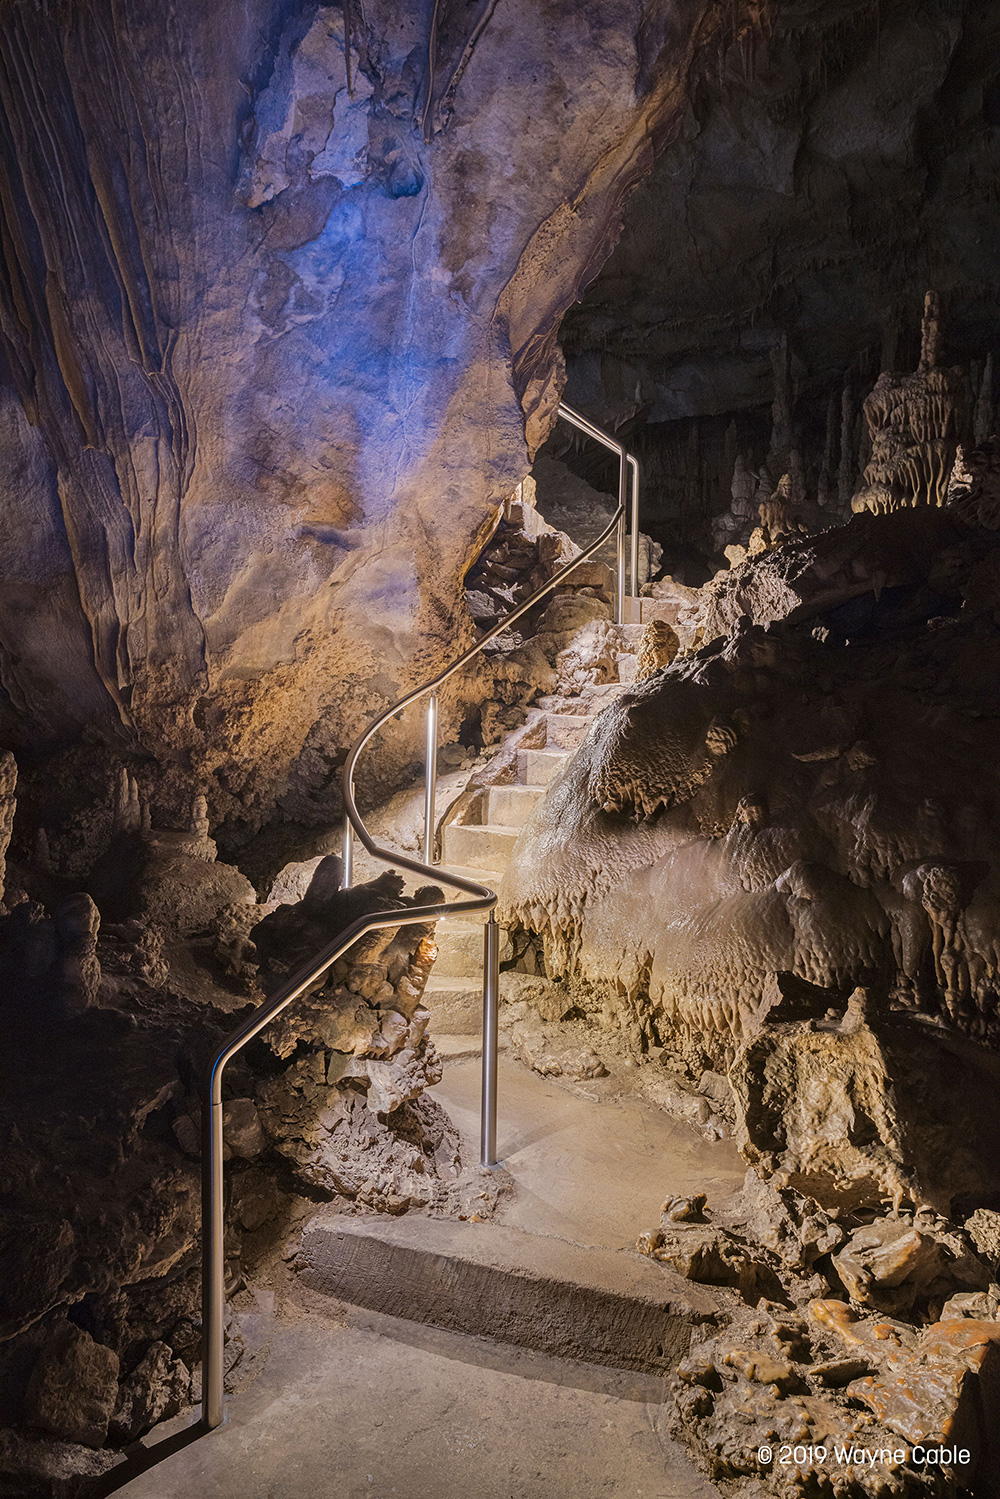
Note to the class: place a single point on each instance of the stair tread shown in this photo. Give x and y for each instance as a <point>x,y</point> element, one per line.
<point>488,827</point>
<point>604,1306</point>
<point>467,872</point>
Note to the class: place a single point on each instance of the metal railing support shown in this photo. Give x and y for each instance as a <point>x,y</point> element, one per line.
<point>633,464</point>
<point>491,1042</point>
<point>347,854</point>
<point>430,777</point>
<point>625,462</point>
<point>480,899</point>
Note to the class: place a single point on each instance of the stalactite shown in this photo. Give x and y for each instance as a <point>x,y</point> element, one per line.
<point>781,412</point>
<point>692,470</point>
<point>847,472</point>
<point>796,479</point>
<point>930,333</point>
<point>983,422</point>
<point>864,444</point>
<point>730,455</point>
<point>826,491</point>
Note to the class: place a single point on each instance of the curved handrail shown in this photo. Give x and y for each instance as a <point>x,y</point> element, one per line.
<point>350,806</point>
<point>312,974</point>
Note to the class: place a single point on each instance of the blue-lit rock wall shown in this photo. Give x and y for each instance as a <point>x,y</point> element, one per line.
<point>274,345</point>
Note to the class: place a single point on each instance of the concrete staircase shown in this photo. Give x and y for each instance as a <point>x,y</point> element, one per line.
<point>480,847</point>
<point>552,1271</point>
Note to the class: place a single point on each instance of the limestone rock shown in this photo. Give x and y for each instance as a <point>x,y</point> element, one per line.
<point>8,805</point>
<point>78,979</point>
<point>657,648</point>
<point>240,670</point>
<point>856,1113</point>
<point>241,1128</point>
<point>742,813</point>
<point>49,1467</point>
<point>73,1387</point>
<point>164,879</point>
<point>940,1388</point>
<point>888,1264</point>
<point>805,1135</point>
<point>158,1387</point>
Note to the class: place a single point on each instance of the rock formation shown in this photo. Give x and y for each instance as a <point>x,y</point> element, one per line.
<point>767,804</point>
<point>276,343</point>
<point>802,203</point>
<point>916,423</point>
<point>110,1012</point>
<point>771,865</point>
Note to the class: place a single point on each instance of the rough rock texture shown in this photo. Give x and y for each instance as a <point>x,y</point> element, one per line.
<point>860,1107</point>
<point>772,864</point>
<point>772,804</point>
<point>8,786</point>
<point>276,305</point>
<point>73,1388</point>
<point>824,178</point>
<point>108,1026</point>
<point>915,424</point>
<point>803,1387</point>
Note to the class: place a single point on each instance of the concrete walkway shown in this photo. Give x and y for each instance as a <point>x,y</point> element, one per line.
<point>594,1173</point>
<point>355,1405</point>
<point>391,1409</point>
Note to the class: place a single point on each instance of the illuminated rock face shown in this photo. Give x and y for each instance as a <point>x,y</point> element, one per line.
<point>269,339</point>
<point>812,796</point>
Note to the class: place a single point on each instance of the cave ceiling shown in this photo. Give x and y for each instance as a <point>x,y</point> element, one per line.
<point>822,179</point>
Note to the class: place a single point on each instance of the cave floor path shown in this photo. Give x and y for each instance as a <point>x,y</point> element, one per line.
<point>373,1407</point>
<point>593,1172</point>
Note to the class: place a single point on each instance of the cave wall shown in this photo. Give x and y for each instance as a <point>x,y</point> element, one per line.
<point>823,178</point>
<point>269,340</point>
<point>811,792</point>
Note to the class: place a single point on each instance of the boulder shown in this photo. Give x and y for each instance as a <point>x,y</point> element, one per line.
<point>73,1387</point>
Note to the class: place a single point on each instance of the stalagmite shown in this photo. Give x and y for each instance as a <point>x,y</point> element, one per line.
<point>915,423</point>
<point>8,806</point>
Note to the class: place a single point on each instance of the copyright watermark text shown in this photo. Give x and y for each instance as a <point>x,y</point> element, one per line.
<point>788,1455</point>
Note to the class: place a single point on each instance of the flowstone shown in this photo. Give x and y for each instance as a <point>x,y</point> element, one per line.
<point>772,864</point>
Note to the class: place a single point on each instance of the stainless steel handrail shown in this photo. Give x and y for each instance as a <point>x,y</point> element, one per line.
<point>313,974</point>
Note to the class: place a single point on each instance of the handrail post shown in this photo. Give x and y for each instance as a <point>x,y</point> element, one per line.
<point>491,1038</point>
<point>430,778</point>
<point>213,1289</point>
<point>347,854</point>
<point>634,466</point>
<point>620,539</point>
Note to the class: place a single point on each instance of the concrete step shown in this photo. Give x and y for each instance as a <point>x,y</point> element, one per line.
<point>460,951</point>
<point>512,805</point>
<point>489,877</point>
<point>455,1003</point>
<point>458,1048</point>
<point>668,609</point>
<point>537,767</point>
<point>566,730</point>
<point>480,845</point>
<point>602,1306</point>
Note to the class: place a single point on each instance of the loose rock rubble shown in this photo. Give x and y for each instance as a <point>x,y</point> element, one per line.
<point>806,1388</point>
<point>111,1006</point>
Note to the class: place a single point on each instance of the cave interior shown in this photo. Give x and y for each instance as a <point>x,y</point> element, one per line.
<point>499,802</point>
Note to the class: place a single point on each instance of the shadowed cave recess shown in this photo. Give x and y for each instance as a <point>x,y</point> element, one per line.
<point>289,296</point>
